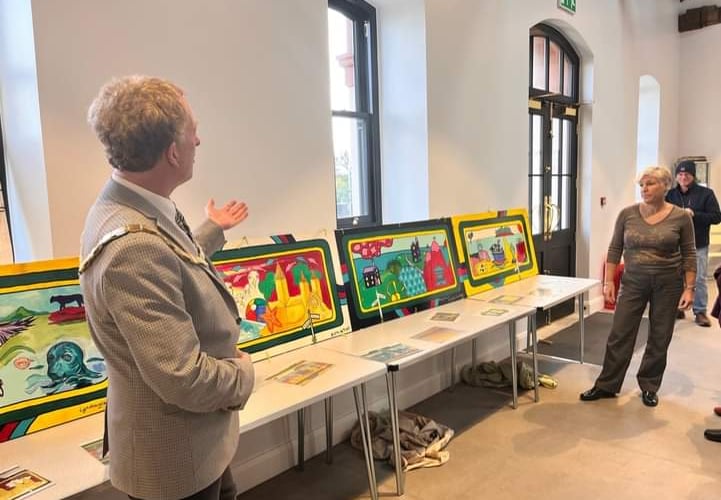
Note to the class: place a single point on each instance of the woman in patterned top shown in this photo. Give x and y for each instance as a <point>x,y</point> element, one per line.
<point>656,240</point>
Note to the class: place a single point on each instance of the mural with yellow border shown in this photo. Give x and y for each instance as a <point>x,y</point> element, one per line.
<point>397,269</point>
<point>286,293</point>
<point>51,372</point>
<point>494,248</point>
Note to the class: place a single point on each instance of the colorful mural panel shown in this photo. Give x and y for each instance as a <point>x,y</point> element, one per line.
<point>494,248</point>
<point>395,270</point>
<point>286,293</point>
<point>50,370</point>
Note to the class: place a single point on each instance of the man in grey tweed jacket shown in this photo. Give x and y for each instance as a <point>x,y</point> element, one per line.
<point>158,312</point>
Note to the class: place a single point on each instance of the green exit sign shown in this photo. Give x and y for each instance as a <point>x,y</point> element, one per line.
<point>567,5</point>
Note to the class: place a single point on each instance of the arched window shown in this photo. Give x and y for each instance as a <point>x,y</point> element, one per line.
<point>553,66</point>
<point>553,152</point>
<point>649,112</point>
<point>354,106</point>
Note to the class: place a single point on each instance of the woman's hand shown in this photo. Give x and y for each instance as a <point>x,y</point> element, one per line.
<point>686,299</point>
<point>609,292</point>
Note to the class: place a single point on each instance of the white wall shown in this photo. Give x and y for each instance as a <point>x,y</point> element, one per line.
<point>699,122</point>
<point>256,75</point>
<point>477,104</point>
<point>453,116</point>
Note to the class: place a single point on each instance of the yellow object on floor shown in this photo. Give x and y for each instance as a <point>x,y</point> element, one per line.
<point>547,381</point>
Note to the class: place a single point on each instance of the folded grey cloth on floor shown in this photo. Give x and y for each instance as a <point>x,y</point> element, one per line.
<point>422,439</point>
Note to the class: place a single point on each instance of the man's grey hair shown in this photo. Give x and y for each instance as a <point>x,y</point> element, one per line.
<point>137,118</point>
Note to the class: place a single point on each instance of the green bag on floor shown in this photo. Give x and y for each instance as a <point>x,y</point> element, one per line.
<point>492,374</point>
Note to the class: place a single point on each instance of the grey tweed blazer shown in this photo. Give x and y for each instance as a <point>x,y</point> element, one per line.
<point>167,329</point>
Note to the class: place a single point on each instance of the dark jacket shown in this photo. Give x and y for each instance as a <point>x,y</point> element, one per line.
<point>706,212</point>
<point>716,310</point>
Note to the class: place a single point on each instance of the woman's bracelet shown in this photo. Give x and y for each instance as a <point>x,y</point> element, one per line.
<point>690,287</point>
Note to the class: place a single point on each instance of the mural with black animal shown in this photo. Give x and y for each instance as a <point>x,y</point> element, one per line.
<point>64,300</point>
<point>51,371</point>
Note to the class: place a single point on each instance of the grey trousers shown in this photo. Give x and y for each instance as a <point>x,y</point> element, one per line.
<point>662,292</point>
<point>222,488</point>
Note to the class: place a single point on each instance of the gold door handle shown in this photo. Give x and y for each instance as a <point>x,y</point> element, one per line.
<point>551,217</point>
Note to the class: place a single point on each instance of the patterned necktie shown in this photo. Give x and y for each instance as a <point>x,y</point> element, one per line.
<point>182,224</point>
<point>180,221</point>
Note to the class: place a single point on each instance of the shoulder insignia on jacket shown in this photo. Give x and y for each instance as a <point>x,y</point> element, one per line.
<point>138,228</point>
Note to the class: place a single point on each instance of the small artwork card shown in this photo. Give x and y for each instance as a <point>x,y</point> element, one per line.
<point>506,299</point>
<point>437,334</point>
<point>18,483</point>
<point>301,373</point>
<point>390,353</point>
<point>493,311</point>
<point>544,292</point>
<point>95,448</point>
<point>445,316</point>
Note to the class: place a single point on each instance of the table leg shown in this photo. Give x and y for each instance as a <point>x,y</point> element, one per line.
<point>301,439</point>
<point>581,324</point>
<point>370,436</point>
<point>362,412</point>
<point>453,368</point>
<point>514,368</point>
<point>393,408</point>
<point>531,327</point>
<point>474,357</point>
<point>528,336</point>
<point>329,430</point>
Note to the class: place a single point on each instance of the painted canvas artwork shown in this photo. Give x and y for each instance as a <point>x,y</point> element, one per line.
<point>17,483</point>
<point>301,373</point>
<point>494,248</point>
<point>395,270</point>
<point>286,293</point>
<point>50,370</point>
<point>389,353</point>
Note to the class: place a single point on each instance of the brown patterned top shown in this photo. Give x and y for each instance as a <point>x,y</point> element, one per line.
<point>664,246</point>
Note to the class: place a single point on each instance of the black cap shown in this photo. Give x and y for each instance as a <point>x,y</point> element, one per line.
<point>687,166</point>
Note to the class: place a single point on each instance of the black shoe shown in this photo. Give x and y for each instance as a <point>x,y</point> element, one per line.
<point>595,393</point>
<point>702,320</point>
<point>713,435</point>
<point>649,398</point>
<point>680,314</point>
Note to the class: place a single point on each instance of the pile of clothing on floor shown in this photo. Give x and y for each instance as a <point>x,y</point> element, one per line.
<point>422,440</point>
<point>496,375</point>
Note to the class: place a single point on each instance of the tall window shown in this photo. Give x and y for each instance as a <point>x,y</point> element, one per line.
<point>647,133</point>
<point>6,247</point>
<point>354,106</point>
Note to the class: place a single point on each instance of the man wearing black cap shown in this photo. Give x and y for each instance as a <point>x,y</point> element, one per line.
<point>701,204</point>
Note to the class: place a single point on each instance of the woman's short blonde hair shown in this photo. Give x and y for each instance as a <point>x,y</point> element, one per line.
<point>662,174</point>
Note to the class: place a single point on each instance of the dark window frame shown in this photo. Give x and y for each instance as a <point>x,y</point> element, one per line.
<point>552,35</point>
<point>366,77</point>
<point>555,245</point>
